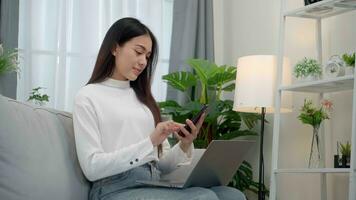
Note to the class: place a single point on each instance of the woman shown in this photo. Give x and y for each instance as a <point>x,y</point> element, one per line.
<point>118,130</point>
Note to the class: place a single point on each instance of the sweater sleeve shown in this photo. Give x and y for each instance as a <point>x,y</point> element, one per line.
<point>94,161</point>
<point>174,157</point>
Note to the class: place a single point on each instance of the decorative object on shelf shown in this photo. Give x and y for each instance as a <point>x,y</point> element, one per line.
<point>255,94</point>
<point>307,69</point>
<point>314,116</point>
<point>307,2</point>
<point>8,61</point>
<point>345,150</point>
<point>337,157</point>
<point>37,97</point>
<point>349,60</point>
<point>334,67</point>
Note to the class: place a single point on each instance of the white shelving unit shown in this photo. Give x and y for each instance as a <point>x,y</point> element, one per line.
<point>316,11</point>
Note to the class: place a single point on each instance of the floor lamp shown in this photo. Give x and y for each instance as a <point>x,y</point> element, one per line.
<point>255,93</point>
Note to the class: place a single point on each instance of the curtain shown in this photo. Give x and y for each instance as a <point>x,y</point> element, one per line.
<point>192,37</point>
<point>59,41</point>
<point>9,21</point>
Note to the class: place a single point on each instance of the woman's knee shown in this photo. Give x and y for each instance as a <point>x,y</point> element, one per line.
<point>227,193</point>
<point>203,194</point>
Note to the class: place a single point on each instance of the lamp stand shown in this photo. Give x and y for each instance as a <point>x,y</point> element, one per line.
<point>261,189</point>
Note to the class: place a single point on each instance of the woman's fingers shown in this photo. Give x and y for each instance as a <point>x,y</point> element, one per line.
<point>193,128</point>
<point>201,120</point>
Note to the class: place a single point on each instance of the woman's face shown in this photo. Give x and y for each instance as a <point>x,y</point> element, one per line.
<point>131,58</point>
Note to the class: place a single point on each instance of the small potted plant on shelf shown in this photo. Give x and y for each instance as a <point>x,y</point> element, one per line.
<point>37,98</point>
<point>314,116</point>
<point>349,60</point>
<point>346,153</point>
<point>307,69</point>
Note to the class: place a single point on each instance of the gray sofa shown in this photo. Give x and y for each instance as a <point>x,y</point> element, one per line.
<point>37,154</point>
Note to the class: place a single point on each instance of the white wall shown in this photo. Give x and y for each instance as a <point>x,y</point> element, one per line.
<point>251,27</point>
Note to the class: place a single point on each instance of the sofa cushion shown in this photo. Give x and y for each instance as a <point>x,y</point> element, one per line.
<point>37,154</point>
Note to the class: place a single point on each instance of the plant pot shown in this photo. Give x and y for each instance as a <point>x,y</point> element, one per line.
<point>337,161</point>
<point>345,161</point>
<point>308,78</point>
<point>349,70</point>
<point>307,2</point>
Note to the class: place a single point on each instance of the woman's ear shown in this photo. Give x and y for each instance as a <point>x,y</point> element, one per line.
<point>115,50</point>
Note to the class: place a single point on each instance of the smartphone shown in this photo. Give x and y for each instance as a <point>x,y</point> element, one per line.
<point>195,120</point>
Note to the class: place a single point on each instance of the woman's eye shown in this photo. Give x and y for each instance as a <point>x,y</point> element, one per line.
<point>138,52</point>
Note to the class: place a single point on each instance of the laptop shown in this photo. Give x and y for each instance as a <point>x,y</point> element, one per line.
<point>214,166</point>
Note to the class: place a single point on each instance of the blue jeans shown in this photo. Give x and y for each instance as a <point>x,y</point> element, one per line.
<point>124,187</point>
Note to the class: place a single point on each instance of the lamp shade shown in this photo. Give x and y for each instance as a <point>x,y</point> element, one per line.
<point>256,83</point>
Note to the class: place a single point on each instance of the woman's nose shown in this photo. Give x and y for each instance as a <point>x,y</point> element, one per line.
<point>143,61</point>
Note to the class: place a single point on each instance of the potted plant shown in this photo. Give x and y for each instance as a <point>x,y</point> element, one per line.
<point>314,116</point>
<point>349,60</point>
<point>37,98</point>
<point>307,69</point>
<point>345,150</point>
<point>221,122</point>
<point>8,61</point>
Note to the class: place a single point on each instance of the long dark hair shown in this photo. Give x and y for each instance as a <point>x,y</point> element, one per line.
<point>119,33</point>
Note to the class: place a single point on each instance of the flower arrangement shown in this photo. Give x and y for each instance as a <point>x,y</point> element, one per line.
<point>312,115</point>
<point>8,61</point>
<point>307,67</point>
<point>309,114</point>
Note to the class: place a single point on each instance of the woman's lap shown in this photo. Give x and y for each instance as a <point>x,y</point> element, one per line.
<point>155,193</point>
<point>124,187</point>
<point>193,193</point>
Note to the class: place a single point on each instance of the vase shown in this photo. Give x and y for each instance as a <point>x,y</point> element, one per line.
<point>315,155</point>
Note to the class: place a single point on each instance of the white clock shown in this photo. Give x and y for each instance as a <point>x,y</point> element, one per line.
<point>334,67</point>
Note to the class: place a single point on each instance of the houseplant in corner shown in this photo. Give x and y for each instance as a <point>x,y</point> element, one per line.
<point>221,122</point>
<point>314,116</point>
<point>9,69</point>
<point>8,61</point>
<point>307,70</point>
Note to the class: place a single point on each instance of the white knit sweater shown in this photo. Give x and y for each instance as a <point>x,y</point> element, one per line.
<point>112,131</point>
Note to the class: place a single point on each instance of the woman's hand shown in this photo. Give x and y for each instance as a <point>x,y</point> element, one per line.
<point>162,130</point>
<point>186,142</point>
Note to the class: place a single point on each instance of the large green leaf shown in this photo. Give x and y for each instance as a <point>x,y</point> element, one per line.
<point>223,75</point>
<point>250,119</point>
<point>204,69</point>
<point>180,80</point>
<point>229,88</point>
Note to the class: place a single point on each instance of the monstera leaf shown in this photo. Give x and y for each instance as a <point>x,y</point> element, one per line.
<point>224,74</point>
<point>180,80</point>
<point>204,69</point>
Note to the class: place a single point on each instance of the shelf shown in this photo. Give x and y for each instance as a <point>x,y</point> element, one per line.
<point>322,86</point>
<point>323,9</point>
<point>316,170</point>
